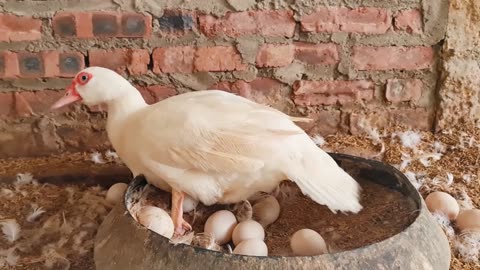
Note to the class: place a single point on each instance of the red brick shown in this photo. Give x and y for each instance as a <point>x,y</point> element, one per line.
<point>106,24</point>
<point>316,54</point>
<point>120,60</point>
<point>155,93</point>
<point>84,25</point>
<point>415,118</point>
<point>410,21</point>
<point>308,93</point>
<point>271,55</point>
<point>70,63</point>
<point>15,28</point>
<point>274,23</point>
<point>6,103</point>
<point>366,20</point>
<point>40,65</point>
<point>392,58</point>
<point>51,60</point>
<point>324,122</point>
<point>138,61</point>
<point>177,22</point>
<point>261,90</point>
<point>219,58</point>
<point>67,24</point>
<point>9,67</point>
<point>27,103</point>
<point>102,24</point>
<point>249,89</point>
<point>135,25</point>
<point>31,65</point>
<point>173,59</point>
<point>399,90</point>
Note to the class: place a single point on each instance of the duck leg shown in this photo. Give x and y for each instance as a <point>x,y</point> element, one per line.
<point>181,226</point>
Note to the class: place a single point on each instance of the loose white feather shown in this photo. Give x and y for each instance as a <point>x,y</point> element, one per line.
<point>36,212</point>
<point>468,246</point>
<point>111,154</point>
<point>444,223</point>
<point>8,257</point>
<point>97,158</point>
<point>318,140</point>
<point>25,178</point>
<point>10,229</point>
<point>417,183</point>
<point>410,139</point>
<point>7,193</point>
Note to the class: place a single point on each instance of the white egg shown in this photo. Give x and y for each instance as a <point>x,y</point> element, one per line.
<point>443,203</point>
<point>189,204</point>
<point>221,224</point>
<point>157,220</point>
<point>469,220</point>
<point>266,210</point>
<point>306,242</point>
<point>249,229</point>
<point>116,192</point>
<point>251,247</point>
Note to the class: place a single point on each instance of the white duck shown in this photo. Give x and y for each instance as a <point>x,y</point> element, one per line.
<point>214,146</point>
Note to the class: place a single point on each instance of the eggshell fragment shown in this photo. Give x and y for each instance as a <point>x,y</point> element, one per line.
<point>116,192</point>
<point>444,203</point>
<point>249,229</point>
<point>469,220</point>
<point>306,242</point>
<point>251,247</point>
<point>157,220</point>
<point>221,225</point>
<point>266,210</point>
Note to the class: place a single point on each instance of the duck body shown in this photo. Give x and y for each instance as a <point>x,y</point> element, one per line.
<point>211,145</point>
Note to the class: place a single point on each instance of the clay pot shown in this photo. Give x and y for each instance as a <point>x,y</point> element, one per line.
<point>122,244</point>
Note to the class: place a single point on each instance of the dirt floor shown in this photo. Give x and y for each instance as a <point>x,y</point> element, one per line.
<point>52,226</point>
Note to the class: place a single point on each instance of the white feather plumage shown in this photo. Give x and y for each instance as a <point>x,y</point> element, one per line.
<point>215,146</point>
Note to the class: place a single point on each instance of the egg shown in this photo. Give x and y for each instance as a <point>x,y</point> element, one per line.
<point>221,225</point>
<point>157,220</point>
<point>444,203</point>
<point>306,242</point>
<point>266,210</point>
<point>469,220</point>
<point>249,229</point>
<point>116,192</point>
<point>189,204</point>
<point>251,247</point>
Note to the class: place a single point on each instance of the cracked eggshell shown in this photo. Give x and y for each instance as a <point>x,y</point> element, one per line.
<point>221,225</point>
<point>444,203</point>
<point>157,220</point>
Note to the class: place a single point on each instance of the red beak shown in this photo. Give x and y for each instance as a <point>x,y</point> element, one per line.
<point>71,96</point>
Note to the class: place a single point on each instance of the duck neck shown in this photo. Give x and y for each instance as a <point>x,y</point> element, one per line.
<point>120,108</point>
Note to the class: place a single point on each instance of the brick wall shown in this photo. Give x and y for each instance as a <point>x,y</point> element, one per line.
<point>339,62</point>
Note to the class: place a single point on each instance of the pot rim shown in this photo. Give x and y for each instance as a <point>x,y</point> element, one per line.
<point>403,180</point>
